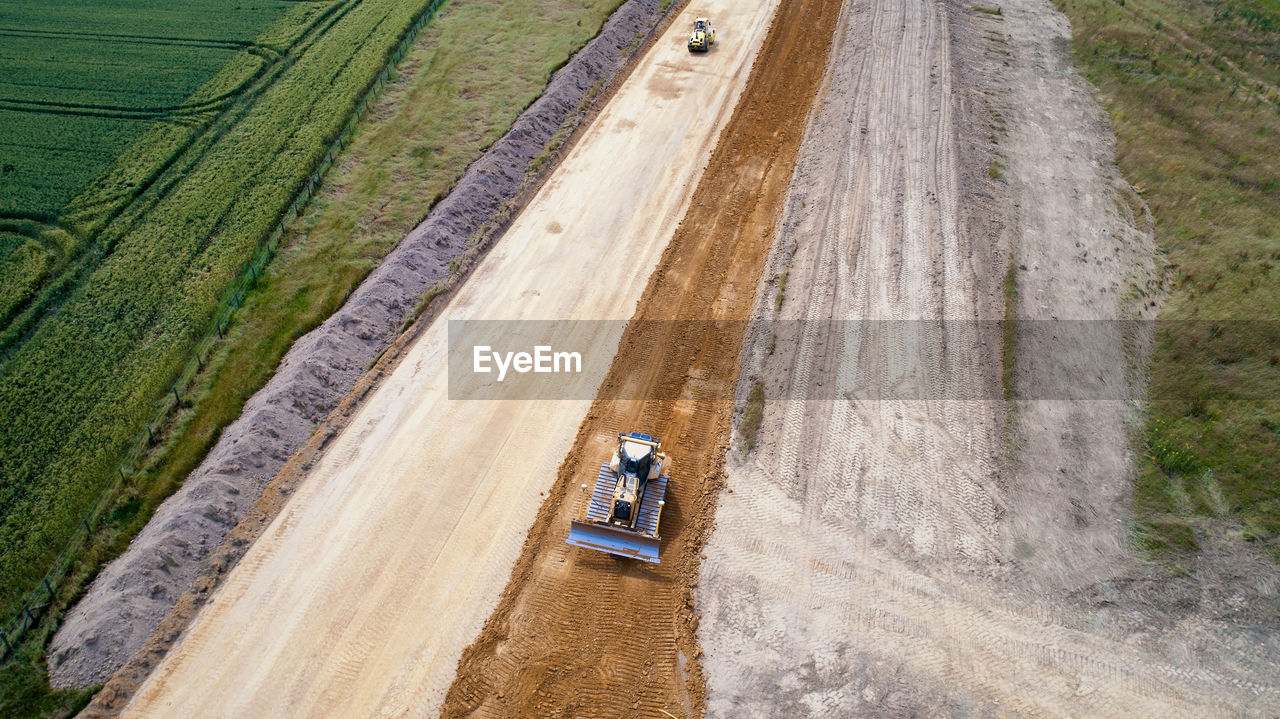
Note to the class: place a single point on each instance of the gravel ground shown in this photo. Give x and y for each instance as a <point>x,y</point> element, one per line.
<point>130,597</point>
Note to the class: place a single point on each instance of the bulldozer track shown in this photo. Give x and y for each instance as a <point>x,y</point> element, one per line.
<point>580,633</point>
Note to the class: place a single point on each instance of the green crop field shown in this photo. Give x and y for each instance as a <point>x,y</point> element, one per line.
<point>1193,90</point>
<point>147,151</point>
<point>79,82</point>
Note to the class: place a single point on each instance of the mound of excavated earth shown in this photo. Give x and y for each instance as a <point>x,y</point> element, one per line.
<point>130,597</point>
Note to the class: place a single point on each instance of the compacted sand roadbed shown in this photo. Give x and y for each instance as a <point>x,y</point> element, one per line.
<point>580,633</point>
<point>359,598</point>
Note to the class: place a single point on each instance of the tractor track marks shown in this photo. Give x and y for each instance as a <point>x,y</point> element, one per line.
<point>864,561</point>
<point>579,633</point>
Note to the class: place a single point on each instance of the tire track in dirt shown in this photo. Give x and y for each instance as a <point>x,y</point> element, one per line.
<point>860,565</point>
<point>1021,658</point>
<point>578,633</point>
<point>891,254</point>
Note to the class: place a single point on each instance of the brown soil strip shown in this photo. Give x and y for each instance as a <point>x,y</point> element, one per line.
<point>581,633</point>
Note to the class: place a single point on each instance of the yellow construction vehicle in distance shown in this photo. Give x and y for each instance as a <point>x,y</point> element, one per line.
<point>703,35</point>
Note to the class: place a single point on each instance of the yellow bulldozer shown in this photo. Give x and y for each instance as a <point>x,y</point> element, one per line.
<point>703,37</point>
<point>621,514</point>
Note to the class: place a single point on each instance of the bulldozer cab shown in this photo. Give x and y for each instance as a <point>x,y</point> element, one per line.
<point>635,458</point>
<point>635,462</point>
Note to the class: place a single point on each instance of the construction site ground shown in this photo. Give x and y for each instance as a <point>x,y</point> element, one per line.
<point>934,550</point>
<point>938,551</point>
<point>581,633</point>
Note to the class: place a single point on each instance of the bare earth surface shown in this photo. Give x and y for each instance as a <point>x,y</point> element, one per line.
<point>360,596</point>
<point>895,557</point>
<point>583,634</point>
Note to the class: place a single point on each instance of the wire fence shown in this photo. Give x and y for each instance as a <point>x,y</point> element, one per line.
<point>42,597</point>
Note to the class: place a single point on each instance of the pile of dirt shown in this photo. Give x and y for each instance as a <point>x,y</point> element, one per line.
<point>126,603</point>
<point>580,633</point>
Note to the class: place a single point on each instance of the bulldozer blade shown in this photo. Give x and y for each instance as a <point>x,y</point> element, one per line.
<point>614,540</point>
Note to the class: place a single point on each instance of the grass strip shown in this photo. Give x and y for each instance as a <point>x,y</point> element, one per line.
<point>1192,90</point>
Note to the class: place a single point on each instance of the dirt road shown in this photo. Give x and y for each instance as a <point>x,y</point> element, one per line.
<point>888,557</point>
<point>580,633</point>
<point>359,597</point>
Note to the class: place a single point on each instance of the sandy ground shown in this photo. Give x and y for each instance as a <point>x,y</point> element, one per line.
<point>583,634</point>
<point>359,597</point>
<point>128,600</point>
<point>941,556</point>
